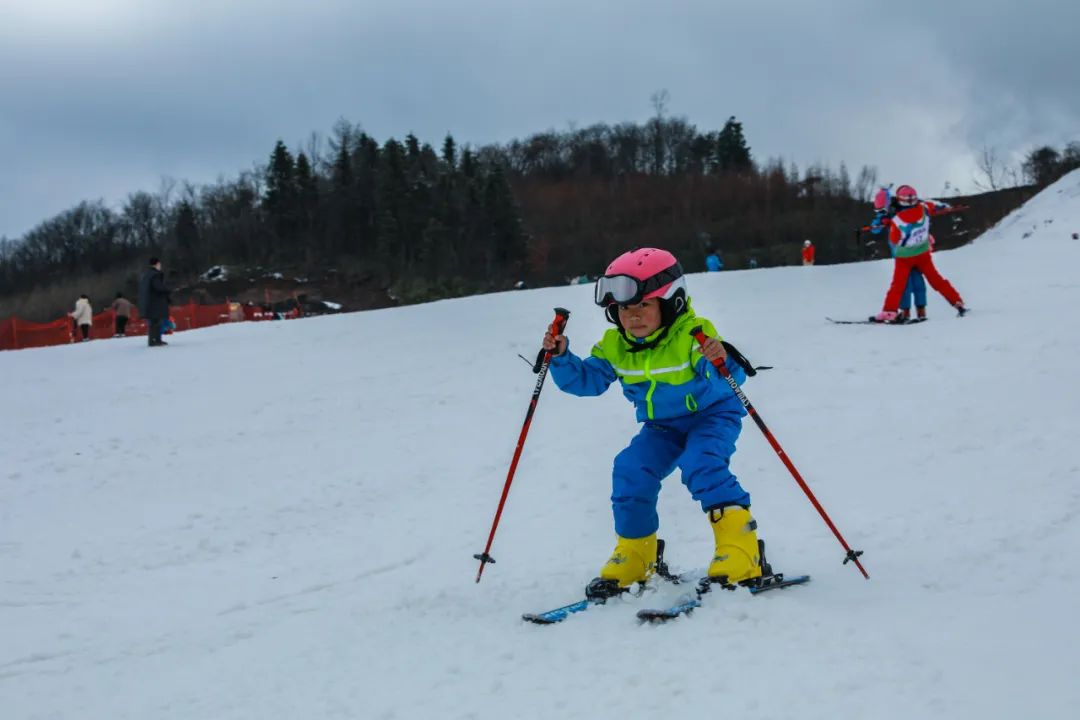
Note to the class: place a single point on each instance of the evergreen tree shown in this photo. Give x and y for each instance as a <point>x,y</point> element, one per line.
<point>340,220</point>
<point>449,153</point>
<point>435,256</point>
<point>412,150</point>
<point>307,191</point>
<point>342,175</point>
<point>732,152</point>
<point>507,239</point>
<point>473,239</point>
<point>468,164</point>
<point>366,160</point>
<point>391,243</point>
<point>281,197</point>
<point>430,166</point>
<point>307,205</point>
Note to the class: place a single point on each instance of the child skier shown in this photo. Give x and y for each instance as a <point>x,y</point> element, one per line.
<point>885,206</point>
<point>691,418</point>
<point>910,240</point>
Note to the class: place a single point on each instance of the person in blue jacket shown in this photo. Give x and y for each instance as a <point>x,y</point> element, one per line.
<point>713,263</point>
<point>690,417</point>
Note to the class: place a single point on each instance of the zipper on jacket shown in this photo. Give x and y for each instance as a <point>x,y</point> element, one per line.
<point>652,387</point>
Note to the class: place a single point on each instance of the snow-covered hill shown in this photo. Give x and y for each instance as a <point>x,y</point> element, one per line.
<point>277,520</point>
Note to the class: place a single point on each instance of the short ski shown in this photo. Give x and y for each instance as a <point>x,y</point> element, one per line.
<point>912,321</point>
<point>689,604</point>
<point>551,617</point>
<point>600,591</point>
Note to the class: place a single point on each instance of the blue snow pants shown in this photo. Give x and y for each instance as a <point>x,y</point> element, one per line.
<point>700,445</point>
<point>916,284</point>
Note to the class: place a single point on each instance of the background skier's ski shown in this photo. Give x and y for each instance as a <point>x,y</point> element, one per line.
<point>912,321</point>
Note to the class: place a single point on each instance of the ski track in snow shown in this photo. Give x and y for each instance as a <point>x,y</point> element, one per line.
<point>277,520</point>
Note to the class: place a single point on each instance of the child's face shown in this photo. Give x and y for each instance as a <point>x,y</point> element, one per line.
<point>641,320</point>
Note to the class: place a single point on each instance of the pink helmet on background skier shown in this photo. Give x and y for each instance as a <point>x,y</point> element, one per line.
<point>882,198</point>
<point>641,274</point>
<point>906,195</point>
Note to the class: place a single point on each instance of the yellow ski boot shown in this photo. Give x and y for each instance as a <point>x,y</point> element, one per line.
<point>632,561</point>
<point>737,557</point>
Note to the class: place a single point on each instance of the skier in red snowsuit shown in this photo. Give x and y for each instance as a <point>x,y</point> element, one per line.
<point>909,235</point>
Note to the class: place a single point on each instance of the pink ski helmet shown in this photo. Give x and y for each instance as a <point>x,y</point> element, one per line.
<point>906,195</point>
<point>882,198</point>
<point>641,274</point>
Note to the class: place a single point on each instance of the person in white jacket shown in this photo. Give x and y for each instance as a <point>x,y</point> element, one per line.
<point>83,315</point>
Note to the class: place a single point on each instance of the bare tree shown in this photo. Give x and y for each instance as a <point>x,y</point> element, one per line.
<point>992,170</point>
<point>655,129</point>
<point>342,135</point>
<point>865,182</point>
<point>1010,177</point>
<point>314,149</point>
<point>843,182</point>
<point>166,185</point>
<point>659,101</point>
<point>143,221</point>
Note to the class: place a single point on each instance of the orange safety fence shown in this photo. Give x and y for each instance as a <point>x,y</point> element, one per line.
<point>16,334</point>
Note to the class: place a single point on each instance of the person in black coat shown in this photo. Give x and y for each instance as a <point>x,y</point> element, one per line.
<point>154,301</point>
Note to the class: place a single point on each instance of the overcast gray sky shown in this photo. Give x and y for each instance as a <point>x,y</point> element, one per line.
<point>100,98</point>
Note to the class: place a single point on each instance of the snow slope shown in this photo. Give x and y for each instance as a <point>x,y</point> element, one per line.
<point>277,520</point>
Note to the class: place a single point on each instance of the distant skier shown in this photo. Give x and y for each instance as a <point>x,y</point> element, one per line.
<point>910,241</point>
<point>121,307</point>
<point>807,252</point>
<point>691,417</point>
<point>83,316</point>
<point>713,263</point>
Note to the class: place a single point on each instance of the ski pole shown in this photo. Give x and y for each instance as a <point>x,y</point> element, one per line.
<point>852,555</point>
<point>950,211</point>
<point>541,368</point>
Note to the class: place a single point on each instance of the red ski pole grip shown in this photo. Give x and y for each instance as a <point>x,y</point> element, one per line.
<point>699,335</point>
<point>559,324</point>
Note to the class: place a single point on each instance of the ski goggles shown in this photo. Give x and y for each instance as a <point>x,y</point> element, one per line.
<point>627,290</point>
